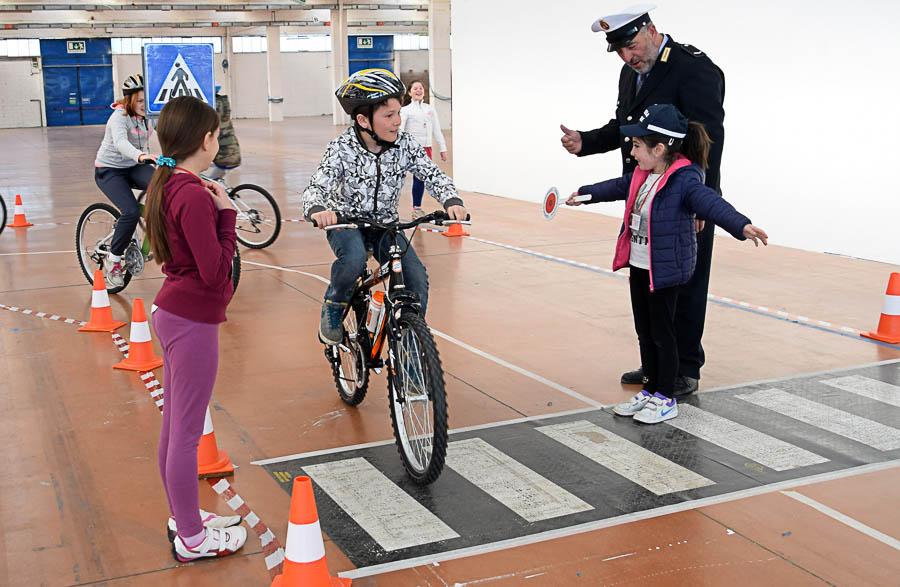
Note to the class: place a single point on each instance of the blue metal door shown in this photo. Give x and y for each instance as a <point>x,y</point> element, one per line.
<point>78,87</point>
<point>96,93</point>
<point>370,51</point>
<point>62,95</point>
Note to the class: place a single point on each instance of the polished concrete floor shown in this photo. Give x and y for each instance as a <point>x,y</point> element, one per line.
<point>532,328</point>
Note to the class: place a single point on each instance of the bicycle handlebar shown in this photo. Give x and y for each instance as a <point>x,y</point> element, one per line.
<point>439,218</point>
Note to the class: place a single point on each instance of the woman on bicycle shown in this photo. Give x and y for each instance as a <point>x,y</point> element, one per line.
<point>121,166</point>
<point>361,174</point>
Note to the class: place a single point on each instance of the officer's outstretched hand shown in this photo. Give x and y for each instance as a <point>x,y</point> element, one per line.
<point>324,218</point>
<point>571,140</point>
<point>755,233</point>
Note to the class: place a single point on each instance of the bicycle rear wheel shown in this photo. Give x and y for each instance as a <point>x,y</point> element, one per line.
<point>348,361</point>
<point>418,400</point>
<point>93,234</point>
<point>259,218</point>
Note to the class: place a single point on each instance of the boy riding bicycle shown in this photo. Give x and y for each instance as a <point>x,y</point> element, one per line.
<point>361,175</point>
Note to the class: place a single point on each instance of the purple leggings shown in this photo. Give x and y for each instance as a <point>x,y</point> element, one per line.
<point>191,355</point>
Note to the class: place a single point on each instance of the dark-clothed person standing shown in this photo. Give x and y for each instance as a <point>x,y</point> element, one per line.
<point>659,70</point>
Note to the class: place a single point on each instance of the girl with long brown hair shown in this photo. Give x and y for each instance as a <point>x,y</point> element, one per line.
<point>191,224</point>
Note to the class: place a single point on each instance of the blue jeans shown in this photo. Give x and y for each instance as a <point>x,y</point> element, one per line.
<point>117,184</point>
<point>349,247</point>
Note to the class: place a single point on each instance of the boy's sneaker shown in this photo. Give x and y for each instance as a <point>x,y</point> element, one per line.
<point>218,542</point>
<point>634,405</point>
<point>113,272</point>
<point>209,519</point>
<point>659,409</point>
<point>331,330</point>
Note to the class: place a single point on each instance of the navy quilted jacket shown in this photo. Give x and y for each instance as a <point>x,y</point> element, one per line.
<point>681,196</point>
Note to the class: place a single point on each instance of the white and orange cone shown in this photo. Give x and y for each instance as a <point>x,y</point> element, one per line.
<point>304,551</point>
<point>140,347</point>
<point>101,312</point>
<point>889,324</point>
<point>212,462</point>
<point>19,220</point>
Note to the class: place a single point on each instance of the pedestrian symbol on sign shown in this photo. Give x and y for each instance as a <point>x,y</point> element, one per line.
<point>179,82</point>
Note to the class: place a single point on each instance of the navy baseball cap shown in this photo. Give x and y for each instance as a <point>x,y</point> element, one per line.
<point>662,119</point>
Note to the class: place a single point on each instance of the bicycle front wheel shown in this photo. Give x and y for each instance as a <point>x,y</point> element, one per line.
<point>235,270</point>
<point>258,218</point>
<point>418,400</point>
<point>2,214</point>
<point>93,234</point>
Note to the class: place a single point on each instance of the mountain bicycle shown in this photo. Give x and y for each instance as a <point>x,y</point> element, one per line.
<point>94,233</point>
<point>2,214</point>
<point>415,377</point>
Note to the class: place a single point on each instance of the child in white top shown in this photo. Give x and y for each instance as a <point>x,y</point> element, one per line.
<point>420,119</point>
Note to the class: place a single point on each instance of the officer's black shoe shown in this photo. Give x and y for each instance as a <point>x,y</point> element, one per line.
<point>685,386</point>
<point>635,377</point>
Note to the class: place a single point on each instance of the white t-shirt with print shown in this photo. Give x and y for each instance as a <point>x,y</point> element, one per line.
<point>640,250</point>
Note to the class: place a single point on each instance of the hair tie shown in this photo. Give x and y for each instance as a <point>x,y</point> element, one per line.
<point>165,161</point>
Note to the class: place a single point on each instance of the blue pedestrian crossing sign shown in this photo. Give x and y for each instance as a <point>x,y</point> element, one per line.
<point>178,69</point>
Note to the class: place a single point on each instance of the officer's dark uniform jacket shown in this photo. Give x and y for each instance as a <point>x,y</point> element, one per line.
<point>682,76</point>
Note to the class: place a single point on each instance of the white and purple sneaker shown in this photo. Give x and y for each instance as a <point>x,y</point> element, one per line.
<point>658,409</point>
<point>634,405</point>
<point>210,520</point>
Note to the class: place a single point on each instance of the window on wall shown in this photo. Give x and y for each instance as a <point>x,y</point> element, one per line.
<point>20,48</point>
<point>133,45</point>
<point>249,44</point>
<point>410,42</point>
<point>297,43</point>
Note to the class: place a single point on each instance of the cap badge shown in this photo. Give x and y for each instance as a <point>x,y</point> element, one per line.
<point>604,25</point>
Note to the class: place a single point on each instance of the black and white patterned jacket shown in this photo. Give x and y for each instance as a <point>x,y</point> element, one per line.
<point>350,176</point>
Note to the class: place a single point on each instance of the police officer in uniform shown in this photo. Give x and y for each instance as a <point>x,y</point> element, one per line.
<point>659,70</point>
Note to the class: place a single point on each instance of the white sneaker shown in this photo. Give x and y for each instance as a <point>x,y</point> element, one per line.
<point>417,213</point>
<point>209,519</point>
<point>659,409</point>
<point>218,542</point>
<point>113,273</point>
<point>634,405</point>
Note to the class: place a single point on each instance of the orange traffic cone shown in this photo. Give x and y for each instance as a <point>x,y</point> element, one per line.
<point>101,312</point>
<point>889,324</point>
<point>140,350</point>
<point>212,462</point>
<point>19,220</point>
<point>455,230</point>
<point>304,553</point>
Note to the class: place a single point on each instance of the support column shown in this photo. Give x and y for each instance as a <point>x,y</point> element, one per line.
<point>439,62</point>
<point>273,68</point>
<point>339,64</point>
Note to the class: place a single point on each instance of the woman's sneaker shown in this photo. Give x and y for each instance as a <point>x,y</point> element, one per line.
<point>417,213</point>
<point>209,520</point>
<point>114,273</point>
<point>659,409</point>
<point>218,542</point>
<point>634,405</point>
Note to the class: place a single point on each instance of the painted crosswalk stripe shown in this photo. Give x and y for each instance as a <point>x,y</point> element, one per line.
<point>773,453</point>
<point>522,490</point>
<point>625,458</point>
<point>833,420</point>
<point>870,388</point>
<point>390,515</point>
